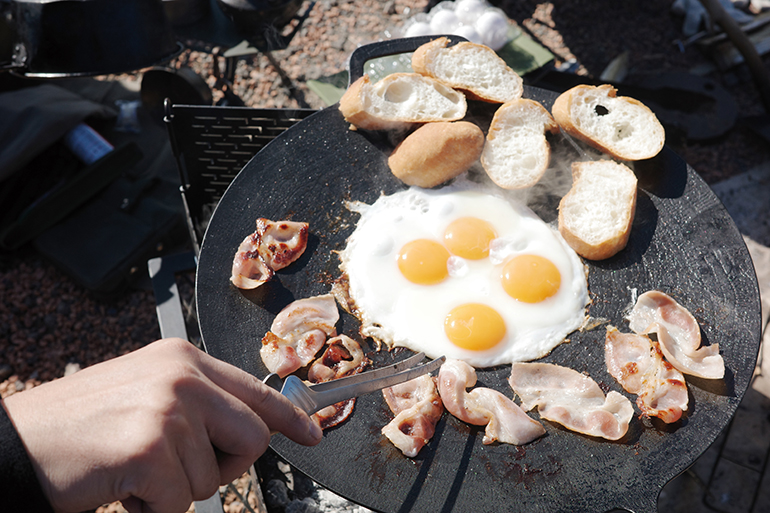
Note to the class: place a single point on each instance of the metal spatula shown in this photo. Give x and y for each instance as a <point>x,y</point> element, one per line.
<point>312,398</point>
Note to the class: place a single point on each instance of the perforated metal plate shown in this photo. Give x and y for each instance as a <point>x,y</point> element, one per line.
<point>213,144</point>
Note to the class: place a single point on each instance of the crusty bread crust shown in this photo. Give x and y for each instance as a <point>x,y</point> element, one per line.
<point>653,133</point>
<point>424,62</point>
<point>436,152</point>
<point>601,245</point>
<point>352,104</point>
<point>420,99</point>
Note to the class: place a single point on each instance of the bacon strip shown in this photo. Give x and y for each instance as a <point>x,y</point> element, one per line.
<point>273,246</point>
<point>343,357</point>
<point>249,269</point>
<point>678,334</point>
<point>303,315</point>
<point>505,421</point>
<point>298,332</point>
<point>572,399</point>
<point>418,408</point>
<point>638,365</point>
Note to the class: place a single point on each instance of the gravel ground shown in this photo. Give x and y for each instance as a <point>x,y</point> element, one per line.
<point>49,326</point>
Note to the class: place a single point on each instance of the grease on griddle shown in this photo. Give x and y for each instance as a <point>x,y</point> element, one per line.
<point>341,292</point>
<point>378,469</point>
<point>591,323</point>
<point>638,448</point>
<point>511,467</point>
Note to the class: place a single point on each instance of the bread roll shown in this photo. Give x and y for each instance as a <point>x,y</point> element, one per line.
<point>474,68</point>
<point>595,216</point>
<point>436,152</point>
<point>517,153</point>
<point>618,125</point>
<point>398,100</point>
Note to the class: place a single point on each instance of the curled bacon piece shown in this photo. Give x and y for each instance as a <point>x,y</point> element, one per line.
<point>505,421</point>
<point>249,269</point>
<point>572,399</point>
<point>343,357</point>
<point>298,332</point>
<point>334,414</point>
<point>303,315</point>
<point>273,246</point>
<point>417,406</point>
<point>283,357</point>
<point>678,334</point>
<point>282,242</point>
<point>639,366</point>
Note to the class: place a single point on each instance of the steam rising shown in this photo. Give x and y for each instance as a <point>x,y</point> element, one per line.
<point>543,198</point>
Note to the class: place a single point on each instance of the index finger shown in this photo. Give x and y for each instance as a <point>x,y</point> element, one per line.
<point>275,410</point>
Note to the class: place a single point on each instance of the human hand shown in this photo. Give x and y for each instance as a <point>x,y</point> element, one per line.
<point>143,429</point>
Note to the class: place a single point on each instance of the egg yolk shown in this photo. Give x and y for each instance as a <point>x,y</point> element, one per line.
<point>474,326</point>
<point>530,278</point>
<point>423,261</point>
<point>469,237</point>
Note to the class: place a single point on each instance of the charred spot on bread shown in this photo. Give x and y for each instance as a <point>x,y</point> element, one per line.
<point>620,126</point>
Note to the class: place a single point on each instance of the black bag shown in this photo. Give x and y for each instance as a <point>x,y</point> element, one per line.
<point>98,223</point>
<point>105,244</point>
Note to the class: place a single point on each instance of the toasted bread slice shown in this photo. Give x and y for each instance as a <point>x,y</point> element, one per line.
<point>595,216</point>
<point>517,153</point>
<point>618,125</point>
<point>436,152</point>
<point>476,69</point>
<point>400,99</point>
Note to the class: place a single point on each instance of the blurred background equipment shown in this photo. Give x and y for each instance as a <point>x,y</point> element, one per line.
<point>65,38</point>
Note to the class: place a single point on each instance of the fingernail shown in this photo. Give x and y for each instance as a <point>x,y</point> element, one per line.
<point>315,430</point>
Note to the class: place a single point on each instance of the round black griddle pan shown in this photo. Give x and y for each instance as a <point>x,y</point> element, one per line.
<point>683,242</point>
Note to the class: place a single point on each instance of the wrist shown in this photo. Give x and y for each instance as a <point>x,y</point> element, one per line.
<point>20,479</point>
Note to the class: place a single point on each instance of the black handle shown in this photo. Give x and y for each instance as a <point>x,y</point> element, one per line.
<point>364,53</point>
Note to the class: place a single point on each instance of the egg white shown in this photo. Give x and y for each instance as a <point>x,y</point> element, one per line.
<point>398,312</point>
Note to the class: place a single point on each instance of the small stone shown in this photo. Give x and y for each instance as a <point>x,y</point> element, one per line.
<point>276,494</point>
<point>63,308</point>
<point>71,368</point>
<point>50,321</point>
<point>285,469</point>
<point>5,371</point>
<point>338,43</point>
<point>303,485</point>
<point>389,8</point>
<point>306,505</point>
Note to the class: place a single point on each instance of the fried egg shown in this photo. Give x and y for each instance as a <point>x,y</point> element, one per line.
<point>463,272</point>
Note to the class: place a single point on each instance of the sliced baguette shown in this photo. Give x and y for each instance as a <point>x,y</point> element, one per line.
<point>400,99</point>
<point>436,152</point>
<point>473,68</point>
<point>617,125</point>
<point>517,153</point>
<point>595,216</point>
